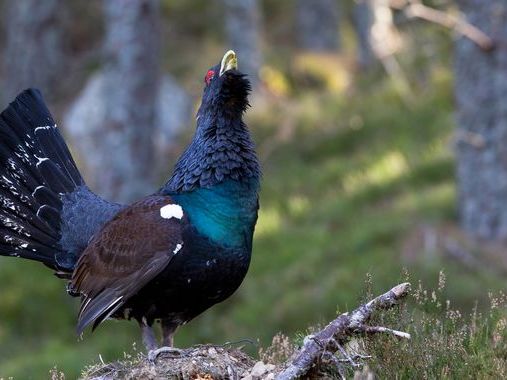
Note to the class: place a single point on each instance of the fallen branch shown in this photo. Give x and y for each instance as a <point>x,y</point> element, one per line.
<point>381,329</point>
<point>334,336</point>
<point>415,9</point>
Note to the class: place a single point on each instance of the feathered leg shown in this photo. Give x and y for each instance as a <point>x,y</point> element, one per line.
<point>149,339</point>
<point>168,330</point>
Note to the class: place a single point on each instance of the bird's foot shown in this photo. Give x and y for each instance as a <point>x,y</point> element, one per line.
<point>170,351</point>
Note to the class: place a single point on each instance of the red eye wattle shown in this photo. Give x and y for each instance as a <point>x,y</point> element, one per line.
<point>209,76</point>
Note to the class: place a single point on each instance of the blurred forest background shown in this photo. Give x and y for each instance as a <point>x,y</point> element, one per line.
<point>382,131</point>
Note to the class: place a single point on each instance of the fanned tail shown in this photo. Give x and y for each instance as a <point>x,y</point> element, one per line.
<point>36,169</point>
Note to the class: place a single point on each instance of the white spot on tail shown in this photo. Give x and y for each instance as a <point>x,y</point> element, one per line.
<point>171,211</point>
<point>40,160</point>
<point>37,188</point>
<point>45,127</point>
<point>178,248</point>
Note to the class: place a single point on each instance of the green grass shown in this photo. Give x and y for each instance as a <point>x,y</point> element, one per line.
<point>447,342</point>
<point>343,190</point>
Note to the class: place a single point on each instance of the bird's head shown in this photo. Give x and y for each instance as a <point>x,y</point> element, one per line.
<point>221,148</point>
<point>225,87</point>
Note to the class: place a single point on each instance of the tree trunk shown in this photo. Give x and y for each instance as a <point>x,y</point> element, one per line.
<point>317,25</point>
<point>362,20</point>
<point>133,51</point>
<point>242,21</point>
<point>481,93</point>
<point>34,54</point>
<point>113,120</point>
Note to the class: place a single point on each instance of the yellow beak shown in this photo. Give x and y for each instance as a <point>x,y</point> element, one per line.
<point>229,62</point>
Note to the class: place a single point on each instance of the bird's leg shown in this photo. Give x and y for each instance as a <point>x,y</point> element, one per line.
<point>168,329</point>
<point>149,339</point>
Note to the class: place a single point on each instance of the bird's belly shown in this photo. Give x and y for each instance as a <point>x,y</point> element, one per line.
<point>194,281</point>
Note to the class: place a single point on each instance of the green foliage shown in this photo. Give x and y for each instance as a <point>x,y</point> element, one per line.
<point>447,343</point>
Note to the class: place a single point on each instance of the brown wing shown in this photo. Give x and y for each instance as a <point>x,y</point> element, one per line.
<point>129,251</point>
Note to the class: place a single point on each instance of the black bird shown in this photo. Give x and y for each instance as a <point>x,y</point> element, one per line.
<point>167,257</point>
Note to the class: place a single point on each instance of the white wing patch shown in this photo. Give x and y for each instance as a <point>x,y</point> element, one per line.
<point>178,247</point>
<point>171,211</point>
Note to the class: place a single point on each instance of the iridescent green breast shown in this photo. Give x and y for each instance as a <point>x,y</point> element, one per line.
<point>225,213</point>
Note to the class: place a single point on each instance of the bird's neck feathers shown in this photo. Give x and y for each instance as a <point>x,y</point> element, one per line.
<point>221,150</point>
<point>216,180</point>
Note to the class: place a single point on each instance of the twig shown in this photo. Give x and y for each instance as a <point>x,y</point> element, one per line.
<point>417,10</point>
<point>356,357</point>
<point>337,362</point>
<point>237,342</point>
<point>331,357</point>
<point>347,356</point>
<point>340,331</point>
<point>381,329</point>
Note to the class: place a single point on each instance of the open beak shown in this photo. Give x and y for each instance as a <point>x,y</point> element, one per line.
<point>229,62</point>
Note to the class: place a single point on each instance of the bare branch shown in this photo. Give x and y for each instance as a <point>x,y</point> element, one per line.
<point>341,330</point>
<point>418,10</point>
<point>381,329</point>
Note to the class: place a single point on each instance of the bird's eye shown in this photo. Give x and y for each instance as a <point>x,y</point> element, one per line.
<point>209,76</point>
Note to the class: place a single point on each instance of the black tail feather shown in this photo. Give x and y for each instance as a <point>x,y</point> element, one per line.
<point>36,169</point>
<point>24,227</point>
<point>53,175</point>
<point>44,196</point>
<point>9,207</point>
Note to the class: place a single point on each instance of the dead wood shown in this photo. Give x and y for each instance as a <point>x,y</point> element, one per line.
<point>336,334</point>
